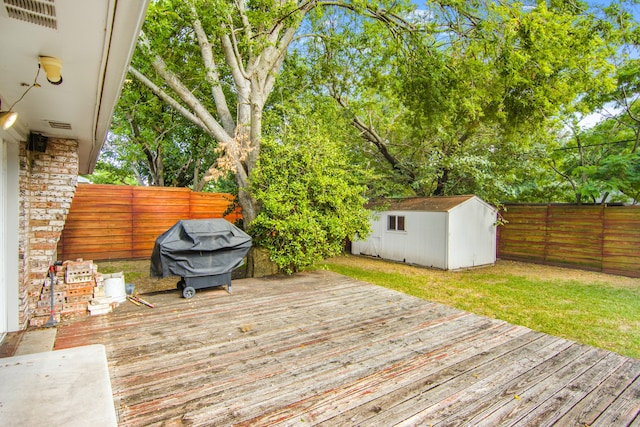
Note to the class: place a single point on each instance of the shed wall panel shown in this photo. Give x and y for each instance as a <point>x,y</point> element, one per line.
<point>431,240</point>
<point>421,243</point>
<point>472,235</point>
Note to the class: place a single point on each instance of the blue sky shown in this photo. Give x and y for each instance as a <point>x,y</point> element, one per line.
<point>594,3</point>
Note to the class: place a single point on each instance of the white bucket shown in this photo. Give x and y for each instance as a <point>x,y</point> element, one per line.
<point>114,287</point>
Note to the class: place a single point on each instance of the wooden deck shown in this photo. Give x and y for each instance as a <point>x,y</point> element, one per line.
<point>322,349</point>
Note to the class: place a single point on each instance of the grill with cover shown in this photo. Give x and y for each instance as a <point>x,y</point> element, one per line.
<point>203,252</point>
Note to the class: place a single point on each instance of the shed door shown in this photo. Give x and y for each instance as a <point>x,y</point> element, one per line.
<point>371,246</point>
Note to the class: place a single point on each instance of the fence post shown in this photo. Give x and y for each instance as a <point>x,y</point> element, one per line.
<point>545,254</point>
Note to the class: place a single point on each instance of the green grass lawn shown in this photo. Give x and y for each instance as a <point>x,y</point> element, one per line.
<point>590,308</point>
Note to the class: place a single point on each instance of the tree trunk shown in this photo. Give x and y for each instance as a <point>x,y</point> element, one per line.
<point>249,207</point>
<point>443,179</point>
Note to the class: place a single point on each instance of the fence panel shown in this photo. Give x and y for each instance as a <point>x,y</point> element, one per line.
<point>621,243</point>
<point>574,236</point>
<point>98,225</point>
<point>524,237</point>
<point>214,205</point>
<point>122,222</point>
<point>600,238</point>
<point>155,209</point>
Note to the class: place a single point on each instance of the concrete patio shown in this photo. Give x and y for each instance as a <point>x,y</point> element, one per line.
<point>66,387</point>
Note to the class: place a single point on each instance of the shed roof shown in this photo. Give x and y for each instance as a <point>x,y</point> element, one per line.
<point>424,204</point>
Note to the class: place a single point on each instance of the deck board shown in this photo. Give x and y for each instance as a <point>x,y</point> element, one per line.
<point>318,348</point>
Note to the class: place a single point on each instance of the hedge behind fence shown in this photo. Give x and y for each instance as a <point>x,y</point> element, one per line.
<point>122,222</point>
<point>599,238</point>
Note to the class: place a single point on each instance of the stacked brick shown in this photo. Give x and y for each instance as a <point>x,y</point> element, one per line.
<point>77,285</point>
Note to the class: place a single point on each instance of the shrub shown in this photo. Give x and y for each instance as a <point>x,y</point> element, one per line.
<point>311,199</point>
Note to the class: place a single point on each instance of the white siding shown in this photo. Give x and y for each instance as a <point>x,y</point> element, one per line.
<point>9,194</point>
<point>371,245</point>
<point>422,242</point>
<point>426,242</point>
<point>12,236</point>
<point>4,295</point>
<point>472,235</point>
<point>463,237</point>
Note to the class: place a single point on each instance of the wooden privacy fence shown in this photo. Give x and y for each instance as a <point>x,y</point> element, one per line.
<point>599,238</point>
<point>122,222</point>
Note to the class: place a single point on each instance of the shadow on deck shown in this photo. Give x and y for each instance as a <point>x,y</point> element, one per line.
<point>322,349</point>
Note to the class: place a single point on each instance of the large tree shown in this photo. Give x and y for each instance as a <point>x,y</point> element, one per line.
<point>601,163</point>
<point>466,104</point>
<point>216,63</point>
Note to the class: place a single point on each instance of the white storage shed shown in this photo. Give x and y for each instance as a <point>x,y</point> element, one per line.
<point>448,233</point>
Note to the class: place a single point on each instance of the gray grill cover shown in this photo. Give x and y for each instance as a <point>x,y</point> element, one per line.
<point>199,247</point>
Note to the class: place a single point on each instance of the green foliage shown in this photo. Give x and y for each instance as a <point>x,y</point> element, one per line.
<point>467,104</point>
<point>169,28</point>
<point>107,173</point>
<point>485,93</point>
<point>310,194</point>
<point>468,101</point>
<point>601,164</point>
<point>153,145</point>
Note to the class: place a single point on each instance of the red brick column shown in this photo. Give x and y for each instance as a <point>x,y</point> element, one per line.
<point>47,184</point>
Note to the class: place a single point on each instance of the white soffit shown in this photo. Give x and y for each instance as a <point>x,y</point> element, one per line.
<point>95,41</point>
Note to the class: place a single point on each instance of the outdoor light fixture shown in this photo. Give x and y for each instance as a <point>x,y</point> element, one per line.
<point>52,67</point>
<point>7,119</point>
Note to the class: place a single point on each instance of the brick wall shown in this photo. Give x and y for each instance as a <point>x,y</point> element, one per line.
<point>47,184</point>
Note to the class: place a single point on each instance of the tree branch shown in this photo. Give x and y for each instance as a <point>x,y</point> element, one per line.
<point>245,21</point>
<point>392,20</point>
<point>368,133</point>
<point>153,158</point>
<point>233,58</point>
<point>168,99</point>
<point>211,125</point>
<point>304,8</point>
<point>565,176</point>
<point>212,75</point>
<point>277,59</point>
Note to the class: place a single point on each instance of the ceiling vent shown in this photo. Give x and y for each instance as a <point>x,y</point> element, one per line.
<point>39,12</point>
<point>60,125</point>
